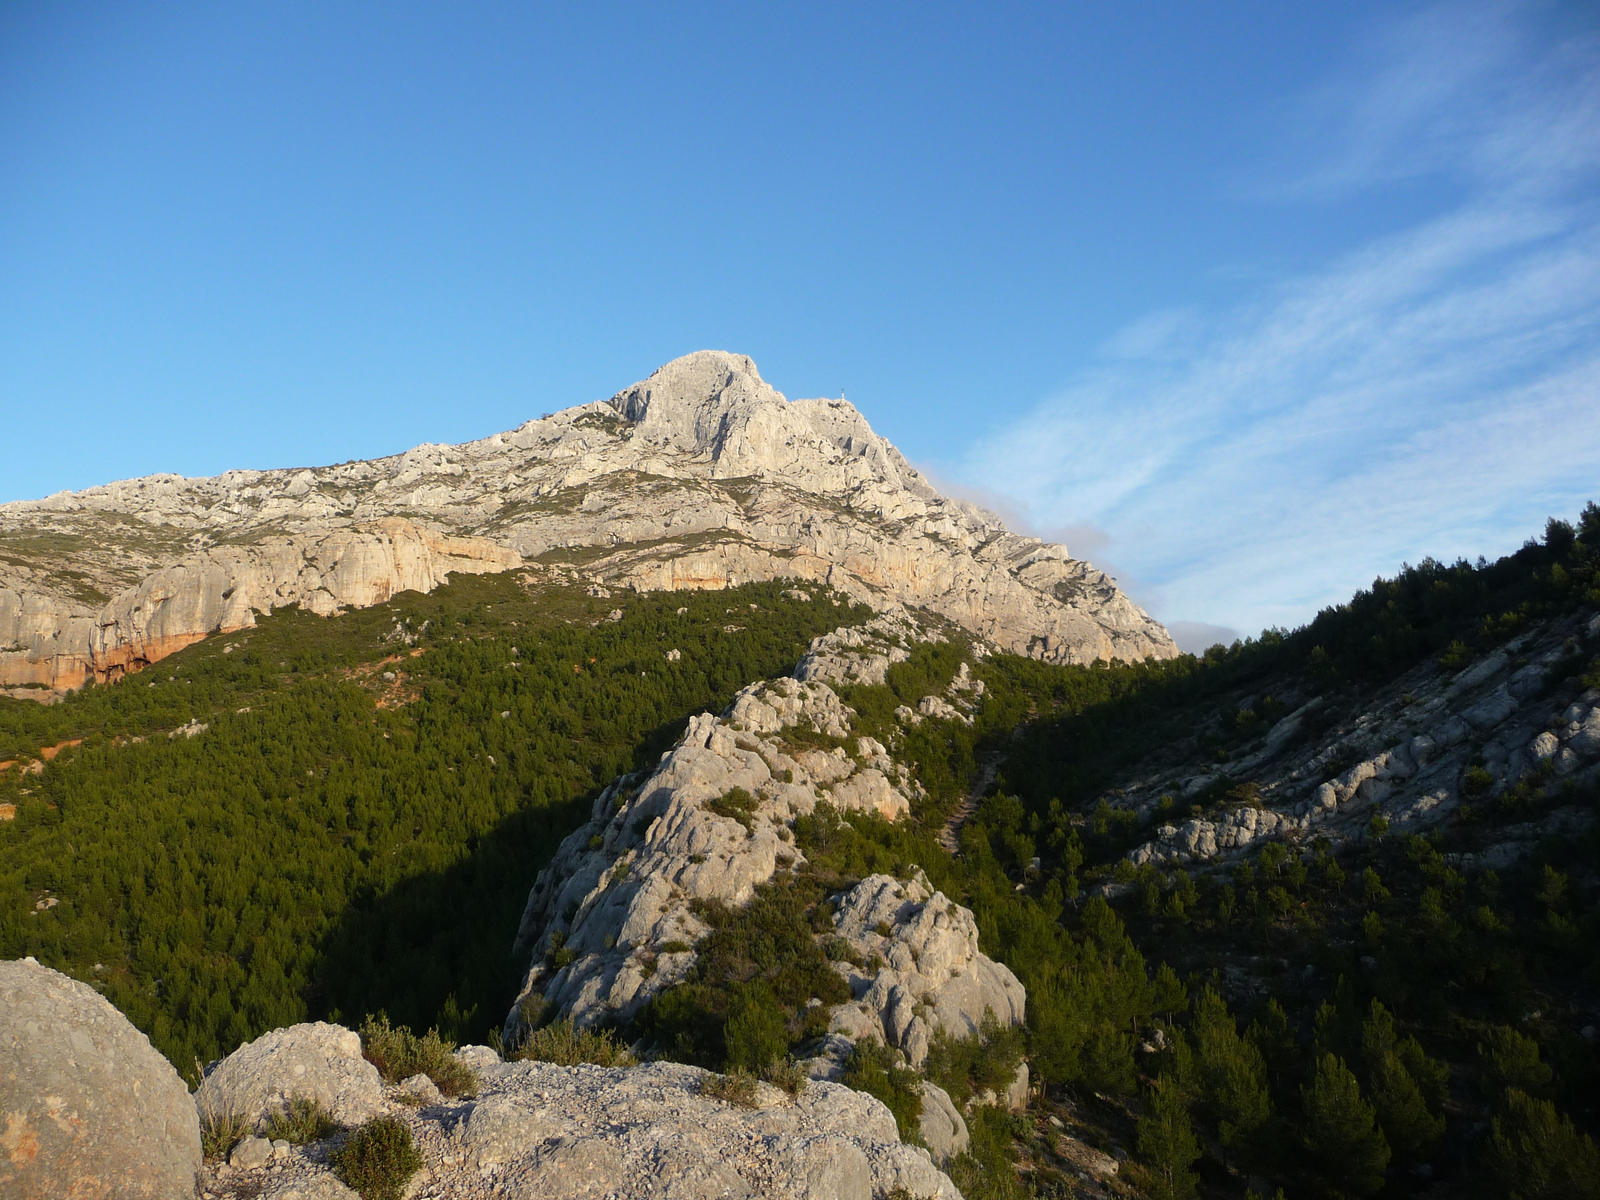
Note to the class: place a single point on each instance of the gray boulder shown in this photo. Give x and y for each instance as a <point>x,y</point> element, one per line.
<point>318,1061</point>
<point>91,1111</point>
<point>943,1129</point>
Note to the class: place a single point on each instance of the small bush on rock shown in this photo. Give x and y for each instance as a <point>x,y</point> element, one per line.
<point>399,1054</point>
<point>787,1074</point>
<point>378,1160</point>
<point>304,1120</point>
<point>737,1087</point>
<point>738,805</point>
<point>221,1132</point>
<point>564,1044</point>
<point>221,1126</point>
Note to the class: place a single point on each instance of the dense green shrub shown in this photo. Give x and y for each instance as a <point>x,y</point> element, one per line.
<point>879,1071</point>
<point>378,1159</point>
<point>562,1043</point>
<point>755,976</point>
<point>399,1054</point>
<point>985,1061</point>
<point>738,805</point>
<point>755,1033</point>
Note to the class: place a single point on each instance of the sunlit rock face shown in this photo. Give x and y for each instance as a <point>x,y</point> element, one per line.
<point>701,476</point>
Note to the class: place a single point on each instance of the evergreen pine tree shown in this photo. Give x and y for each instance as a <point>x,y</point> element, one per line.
<point>1232,1072</point>
<point>1341,1131</point>
<point>1167,1144</point>
<point>1402,1107</point>
<point>1535,1153</point>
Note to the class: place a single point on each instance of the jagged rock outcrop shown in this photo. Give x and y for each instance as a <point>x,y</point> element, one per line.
<point>701,476</point>
<point>88,1109</point>
<point>923,972</point>
<point>1411,754</point>
<point>314,1061</point>
<point>536,1131</point>
<point>611,918</point>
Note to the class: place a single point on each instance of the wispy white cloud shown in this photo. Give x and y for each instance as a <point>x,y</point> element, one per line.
<point>1434,390</point>
<point>1498,92</point>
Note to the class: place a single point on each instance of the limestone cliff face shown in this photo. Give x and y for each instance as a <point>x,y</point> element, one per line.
<point>221,589</point>
<point>701,476</point>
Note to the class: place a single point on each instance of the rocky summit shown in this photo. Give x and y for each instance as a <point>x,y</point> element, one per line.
<point>701,476</point>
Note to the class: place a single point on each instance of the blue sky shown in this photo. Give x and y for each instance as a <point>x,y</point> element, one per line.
<point>1248,302</point>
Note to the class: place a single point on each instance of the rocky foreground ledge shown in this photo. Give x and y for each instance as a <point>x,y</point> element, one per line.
<point>89,1110</point>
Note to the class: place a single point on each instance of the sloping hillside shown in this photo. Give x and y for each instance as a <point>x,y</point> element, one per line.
<point>1318,912</point>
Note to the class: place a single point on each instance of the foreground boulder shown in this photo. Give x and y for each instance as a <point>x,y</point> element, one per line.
<point>88,1109</point>
<point>314,1061</point>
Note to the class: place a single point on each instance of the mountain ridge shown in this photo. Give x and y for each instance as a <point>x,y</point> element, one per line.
<point>700,476</point>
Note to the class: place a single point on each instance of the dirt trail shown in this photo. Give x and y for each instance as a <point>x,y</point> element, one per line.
<point>950,835</point>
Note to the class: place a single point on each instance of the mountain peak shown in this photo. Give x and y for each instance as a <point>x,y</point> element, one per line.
<point>702,475</point>
<point>687,402</point>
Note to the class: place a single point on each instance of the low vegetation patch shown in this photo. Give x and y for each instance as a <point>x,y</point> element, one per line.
<point>737,805</point>
<point>786,1074</point>
<point>399,1054</point>
<point>221,1127</point>
<point>302,1120</point>
<point>562,1043</point>
<point>738,1088</point>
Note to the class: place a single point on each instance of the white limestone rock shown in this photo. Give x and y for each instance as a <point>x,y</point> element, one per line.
<point>943,1128</point>
<point>316,1060</point>
<point>932,977</point>
<point>610,919</point>
<point>647,1131</point>
<point>87,1106</point>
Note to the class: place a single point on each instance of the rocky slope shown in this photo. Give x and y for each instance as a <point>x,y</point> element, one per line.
<point>714,821</point>
<point>1411,754</point>
<point>701,476</point>
<point>614,918</point>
